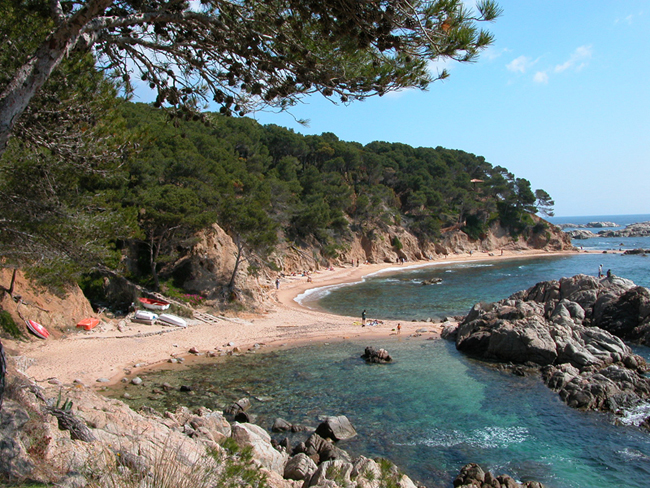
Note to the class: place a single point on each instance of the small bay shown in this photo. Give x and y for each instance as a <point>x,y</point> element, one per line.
<point>433,410</point>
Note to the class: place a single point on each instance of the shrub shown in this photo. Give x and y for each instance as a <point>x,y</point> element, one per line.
<point>9,326</point>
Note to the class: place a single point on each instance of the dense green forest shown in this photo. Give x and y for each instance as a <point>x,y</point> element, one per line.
<point>262,184</point>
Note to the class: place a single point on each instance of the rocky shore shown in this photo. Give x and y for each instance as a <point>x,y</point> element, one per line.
<point>640,229</point>
<point>73,437</point>
<point>589,225</point>
<point>571,332</point>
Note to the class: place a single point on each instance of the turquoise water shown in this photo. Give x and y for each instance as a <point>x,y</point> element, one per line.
<point>432,410</point>
<point>399,294</point>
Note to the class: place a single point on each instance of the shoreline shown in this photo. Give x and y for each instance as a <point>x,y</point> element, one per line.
<point>109,355</point>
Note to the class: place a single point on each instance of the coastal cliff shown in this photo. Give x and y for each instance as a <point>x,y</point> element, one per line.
<point>206,268</point>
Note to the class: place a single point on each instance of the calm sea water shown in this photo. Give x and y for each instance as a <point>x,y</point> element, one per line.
<point>433,410</point>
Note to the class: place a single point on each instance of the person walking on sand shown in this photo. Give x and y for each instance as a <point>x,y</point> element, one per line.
<point>363,318</point>
<point>277,283</point>
<point>399,327</point>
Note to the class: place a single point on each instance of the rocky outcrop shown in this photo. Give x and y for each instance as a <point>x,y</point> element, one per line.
<point>589,225</point>
<point>581,234</point>
<point>379,356</point>
<point>473,476</point>
<point>29,301</point>
<point>559,328</point>
<point>640,229</point>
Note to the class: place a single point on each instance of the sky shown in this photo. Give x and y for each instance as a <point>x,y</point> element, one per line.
<point>562,98</point>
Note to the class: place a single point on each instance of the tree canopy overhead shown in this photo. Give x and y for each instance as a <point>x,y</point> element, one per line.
<point>245,55</point>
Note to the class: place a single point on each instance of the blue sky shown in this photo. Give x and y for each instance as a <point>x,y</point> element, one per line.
<point>562,99</point>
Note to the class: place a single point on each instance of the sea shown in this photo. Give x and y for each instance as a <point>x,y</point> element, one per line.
<point>434,410</point>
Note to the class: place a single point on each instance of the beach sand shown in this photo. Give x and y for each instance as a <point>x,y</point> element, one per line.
<point>105,353</point>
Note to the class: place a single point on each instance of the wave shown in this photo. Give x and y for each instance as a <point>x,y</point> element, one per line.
<point>486,438</point>
<point>635,416</point>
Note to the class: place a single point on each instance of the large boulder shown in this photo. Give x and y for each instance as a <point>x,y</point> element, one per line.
<point>336,428</point>
<point>251,435</point>
<point>300,467</point>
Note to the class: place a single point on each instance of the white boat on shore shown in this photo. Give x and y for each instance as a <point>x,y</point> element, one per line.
<point>145,317</point>
<point>170,319</point>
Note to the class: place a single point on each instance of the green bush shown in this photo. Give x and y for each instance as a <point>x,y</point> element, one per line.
<point>9,326</point>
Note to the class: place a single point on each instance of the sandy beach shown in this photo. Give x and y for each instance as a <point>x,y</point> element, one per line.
<point>105,353</point>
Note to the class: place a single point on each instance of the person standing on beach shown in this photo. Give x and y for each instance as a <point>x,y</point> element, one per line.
<point>277,283</point>
<point>399,327</point>
<point>363,318</point>
<point>600,271</point>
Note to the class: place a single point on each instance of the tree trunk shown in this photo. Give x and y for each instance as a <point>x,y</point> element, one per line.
<point>3,371</point>
<point>34,73</point>
<point>238,256</point>
<point>153,255</point>
<point>13,282</point>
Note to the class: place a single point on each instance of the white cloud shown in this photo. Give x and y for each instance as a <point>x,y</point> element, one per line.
<point>576,61</point>
<point>492,53</point>
<point>541,77</point>
<point>520,64</point>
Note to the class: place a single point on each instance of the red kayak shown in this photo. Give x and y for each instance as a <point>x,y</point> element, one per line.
<point>152,304</point>
<point>37,329</point>
<point>88,324</point>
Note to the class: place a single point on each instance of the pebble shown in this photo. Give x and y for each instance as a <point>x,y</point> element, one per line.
<point>54,381</point>
<point>137,381</point>
<point>103,380</point>
<point>172,360</point>
<point>193,350</point>
<point>125,380</point>
<point>78,382</point>
<point>180,360</point>
<point>126,395</point>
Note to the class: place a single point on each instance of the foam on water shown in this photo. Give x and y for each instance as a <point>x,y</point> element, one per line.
<point>492,437</point>
<point>636,415</point>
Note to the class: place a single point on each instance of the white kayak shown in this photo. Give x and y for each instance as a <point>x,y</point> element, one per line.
<point>172,320</point>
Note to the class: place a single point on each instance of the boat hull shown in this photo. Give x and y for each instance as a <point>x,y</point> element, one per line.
<point>37,329</point>
<point>172,320</point>
<point>152,304</point>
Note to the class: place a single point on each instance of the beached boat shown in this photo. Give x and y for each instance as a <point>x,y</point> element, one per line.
<point>145,317</point>
<point>153,304</point>
<point>172,320</point>
<point>37,329</point>
<point>89,323</point>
